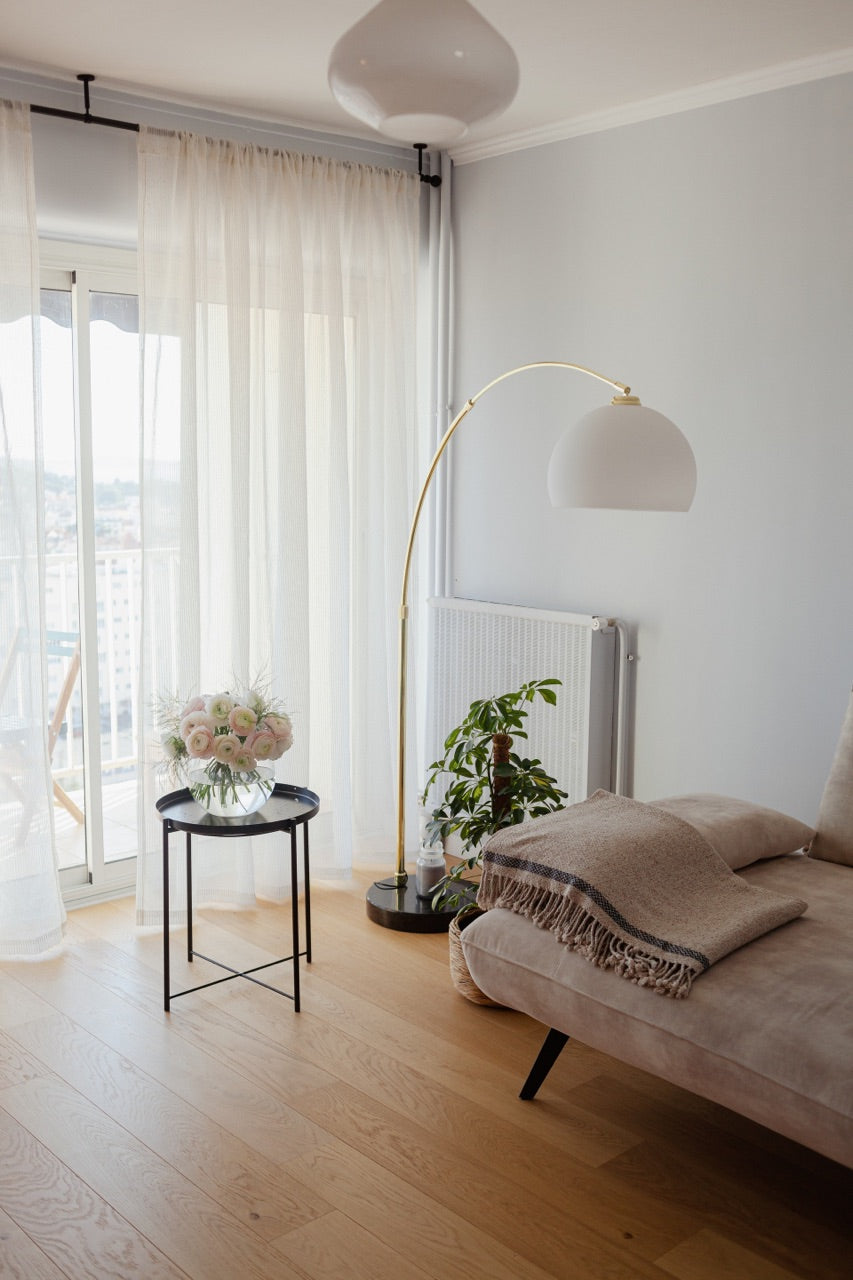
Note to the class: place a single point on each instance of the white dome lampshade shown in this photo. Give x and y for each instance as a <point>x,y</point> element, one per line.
<point>623,456</point>
<point>423,70</point>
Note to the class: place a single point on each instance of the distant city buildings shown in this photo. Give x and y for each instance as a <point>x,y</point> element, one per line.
<point>117,585</point>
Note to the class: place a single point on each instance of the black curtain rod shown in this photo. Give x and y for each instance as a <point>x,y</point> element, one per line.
<point>85,117</point>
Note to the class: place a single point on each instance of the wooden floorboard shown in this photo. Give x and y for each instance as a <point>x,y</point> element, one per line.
<point>376,1134</point>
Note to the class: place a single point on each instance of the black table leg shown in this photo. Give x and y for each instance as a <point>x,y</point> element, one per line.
<point>294,916</point>
<point>166,916</point>
<point>307,874</point>
<point>189,899</point>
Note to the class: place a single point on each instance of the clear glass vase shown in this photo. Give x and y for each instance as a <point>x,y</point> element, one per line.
<point>226,793</point>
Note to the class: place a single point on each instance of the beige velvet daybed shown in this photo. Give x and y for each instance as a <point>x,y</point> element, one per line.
<point>768,1029</point>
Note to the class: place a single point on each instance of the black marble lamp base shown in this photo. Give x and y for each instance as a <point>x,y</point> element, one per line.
<point>402,909</point>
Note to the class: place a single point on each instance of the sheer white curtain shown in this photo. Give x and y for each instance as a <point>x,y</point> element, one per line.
<point>31,911</point>
<point>280,459</point>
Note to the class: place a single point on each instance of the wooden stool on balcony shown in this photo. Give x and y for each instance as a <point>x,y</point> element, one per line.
<point>63,644</point>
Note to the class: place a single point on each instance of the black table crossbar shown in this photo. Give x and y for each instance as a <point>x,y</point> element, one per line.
<point>237,973</point>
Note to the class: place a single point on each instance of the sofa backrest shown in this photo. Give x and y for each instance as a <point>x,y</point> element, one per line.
<point>834,839</point>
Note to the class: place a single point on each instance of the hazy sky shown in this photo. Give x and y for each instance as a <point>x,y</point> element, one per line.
<point>115,396</point>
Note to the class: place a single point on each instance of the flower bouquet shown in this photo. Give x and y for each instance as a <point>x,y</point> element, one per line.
<point>225,745</point>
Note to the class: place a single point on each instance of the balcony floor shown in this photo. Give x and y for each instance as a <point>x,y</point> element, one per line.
<point>119,806</point>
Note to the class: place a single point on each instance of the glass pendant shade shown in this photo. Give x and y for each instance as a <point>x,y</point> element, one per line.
<point>623,456</point>
<point>421,71</point>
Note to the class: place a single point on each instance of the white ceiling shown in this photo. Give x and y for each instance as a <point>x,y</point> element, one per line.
<point>584,63</point>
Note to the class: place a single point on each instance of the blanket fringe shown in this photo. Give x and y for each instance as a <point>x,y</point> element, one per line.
<point>568,917</point>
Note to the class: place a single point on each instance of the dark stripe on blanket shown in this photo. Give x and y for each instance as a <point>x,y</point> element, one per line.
<point>566,877</point>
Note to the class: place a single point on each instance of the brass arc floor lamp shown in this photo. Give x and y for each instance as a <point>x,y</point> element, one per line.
<point>621,456</point>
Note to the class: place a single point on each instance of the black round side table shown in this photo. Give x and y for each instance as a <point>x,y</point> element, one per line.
<point>286,809</point>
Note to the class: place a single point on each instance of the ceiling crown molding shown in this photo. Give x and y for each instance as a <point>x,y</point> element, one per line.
<point>781,76</point>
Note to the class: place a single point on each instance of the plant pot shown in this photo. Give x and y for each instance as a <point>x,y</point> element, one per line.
<point>459,972</point>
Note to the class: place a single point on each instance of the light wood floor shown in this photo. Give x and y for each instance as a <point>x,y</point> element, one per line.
<point>376,1134</point>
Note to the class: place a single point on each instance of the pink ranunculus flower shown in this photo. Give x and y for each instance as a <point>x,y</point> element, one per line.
<point>244,761</point>
<point>194,720</point>
<point>194,704</point>
<point>263,744</point>
<point>282,744</point>
<point>199,743</point>
<point>225,747</point>
<point>242,720</point>
<point>219,707</point>
<point>279,725</point>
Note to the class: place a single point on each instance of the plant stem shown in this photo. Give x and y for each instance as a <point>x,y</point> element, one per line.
<point>500,783</point>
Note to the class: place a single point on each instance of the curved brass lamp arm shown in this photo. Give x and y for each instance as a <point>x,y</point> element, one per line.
<point>445,440</point>
<point>400,875</point>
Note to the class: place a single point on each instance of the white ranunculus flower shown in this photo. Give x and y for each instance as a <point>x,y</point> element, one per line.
<point>195,720</point>
<point>264,744</point>
<point>280,725</point>
<point>282,744</point>
<point>244,761</point>
<point>225,747</point>
<point>200,742</point>
<point>242,720</point>
<point>219,707</point>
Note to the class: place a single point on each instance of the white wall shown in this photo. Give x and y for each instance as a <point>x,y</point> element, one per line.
<point>707,260</point>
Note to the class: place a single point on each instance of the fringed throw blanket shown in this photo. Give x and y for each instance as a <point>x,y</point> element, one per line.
<point>631,888</point>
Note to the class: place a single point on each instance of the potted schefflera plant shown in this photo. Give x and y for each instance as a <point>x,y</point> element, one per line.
<point>489,786</point>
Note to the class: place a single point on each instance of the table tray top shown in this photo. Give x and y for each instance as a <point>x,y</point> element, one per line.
<point>286,807</point>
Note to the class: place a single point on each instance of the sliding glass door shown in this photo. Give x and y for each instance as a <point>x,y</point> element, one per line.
<point>90,399</point>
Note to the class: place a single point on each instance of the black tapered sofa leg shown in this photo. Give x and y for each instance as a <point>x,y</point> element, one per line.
<point>548,1055</point>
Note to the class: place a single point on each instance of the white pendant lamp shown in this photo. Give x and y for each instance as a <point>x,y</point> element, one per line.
<point>423,70</point>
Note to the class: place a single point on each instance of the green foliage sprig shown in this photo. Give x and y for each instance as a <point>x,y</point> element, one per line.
<point>484,796</point>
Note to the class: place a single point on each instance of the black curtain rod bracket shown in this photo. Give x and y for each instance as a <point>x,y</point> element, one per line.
<point>85,116</point>
<point>433,179</point>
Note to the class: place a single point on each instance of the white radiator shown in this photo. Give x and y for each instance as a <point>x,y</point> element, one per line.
<point>477,650</point>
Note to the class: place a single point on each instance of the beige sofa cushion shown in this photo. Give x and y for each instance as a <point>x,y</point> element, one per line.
<point>741,832</point>
<point>834,839</point>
